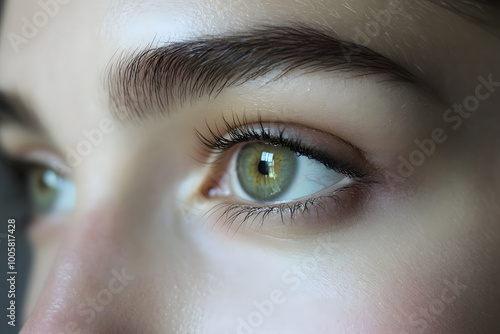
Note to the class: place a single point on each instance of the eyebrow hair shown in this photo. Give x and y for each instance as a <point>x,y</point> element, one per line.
<point>148,83</point>
<point>14,110</point>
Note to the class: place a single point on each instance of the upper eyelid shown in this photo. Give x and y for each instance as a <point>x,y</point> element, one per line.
<point>242,131</point>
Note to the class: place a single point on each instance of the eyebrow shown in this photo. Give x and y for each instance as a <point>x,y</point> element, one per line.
<point>149,83</point>
<point>14,110</point>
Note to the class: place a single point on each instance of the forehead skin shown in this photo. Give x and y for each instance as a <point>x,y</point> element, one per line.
<point>420,39</point>
<point>410,40</point>
<point>189,279</point>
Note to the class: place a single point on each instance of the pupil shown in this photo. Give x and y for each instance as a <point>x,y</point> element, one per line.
<point>263,167</point>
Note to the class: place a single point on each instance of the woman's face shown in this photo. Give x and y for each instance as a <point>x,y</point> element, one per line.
<point>215,166</point>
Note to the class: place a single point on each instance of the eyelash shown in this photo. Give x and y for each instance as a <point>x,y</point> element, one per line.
<point>237,131</point>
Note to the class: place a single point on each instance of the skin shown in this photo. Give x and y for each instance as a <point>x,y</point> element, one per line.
<point>382,264</point>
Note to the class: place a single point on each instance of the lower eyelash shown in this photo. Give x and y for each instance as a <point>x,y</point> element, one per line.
<point>239,131</point>
<point>287,211</point>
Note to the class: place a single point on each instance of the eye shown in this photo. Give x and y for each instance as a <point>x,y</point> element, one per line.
<point>281,172</point>
<point>273,173</point>
<point>49,192</point>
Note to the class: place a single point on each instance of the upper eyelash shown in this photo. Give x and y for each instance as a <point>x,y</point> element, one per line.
<point>239,131</point>
<point>236,131</point>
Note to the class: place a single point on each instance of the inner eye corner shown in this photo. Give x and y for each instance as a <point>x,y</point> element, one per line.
<point>214,185</point>
<point>279,137</point>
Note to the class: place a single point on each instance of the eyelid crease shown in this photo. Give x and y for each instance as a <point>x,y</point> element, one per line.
<point>337,201</point>
<point>239,131</point>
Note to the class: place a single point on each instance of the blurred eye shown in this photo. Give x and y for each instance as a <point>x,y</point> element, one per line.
<point>265,172</point>
<point>50,191</point>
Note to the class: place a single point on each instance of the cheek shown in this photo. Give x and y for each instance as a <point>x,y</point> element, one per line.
<point>271,294</point>
<point>261,289</point>
<point>415,284</point>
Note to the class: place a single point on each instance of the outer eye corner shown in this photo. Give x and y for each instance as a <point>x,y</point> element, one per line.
<point>269,170</point>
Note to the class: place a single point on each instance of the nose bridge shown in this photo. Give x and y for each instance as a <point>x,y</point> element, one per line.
<point>118,256</point>
<point>88,279</point>
<point>130,173</point>
<point>115,263</point>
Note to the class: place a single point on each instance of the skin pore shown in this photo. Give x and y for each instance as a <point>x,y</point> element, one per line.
<point>151,244</point>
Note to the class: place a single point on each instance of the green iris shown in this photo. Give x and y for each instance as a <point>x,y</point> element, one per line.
<point>266,171</point>
<point>44,187</point>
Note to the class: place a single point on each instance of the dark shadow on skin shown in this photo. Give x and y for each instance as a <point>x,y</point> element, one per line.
<point>13,204</point>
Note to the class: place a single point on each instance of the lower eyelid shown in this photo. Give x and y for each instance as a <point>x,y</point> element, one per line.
<point>330,210</point>
<point>326,210</point>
